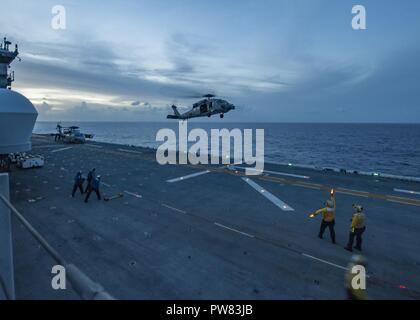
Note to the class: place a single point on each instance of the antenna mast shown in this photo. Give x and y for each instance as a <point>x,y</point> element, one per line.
<point>6,58</point>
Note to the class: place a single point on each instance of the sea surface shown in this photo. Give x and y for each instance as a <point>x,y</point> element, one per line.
<point>383,148</point>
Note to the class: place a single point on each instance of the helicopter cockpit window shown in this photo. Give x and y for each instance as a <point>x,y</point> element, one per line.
<point>203,108</point>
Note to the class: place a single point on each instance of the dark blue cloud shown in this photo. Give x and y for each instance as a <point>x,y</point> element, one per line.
<point>279,60</point>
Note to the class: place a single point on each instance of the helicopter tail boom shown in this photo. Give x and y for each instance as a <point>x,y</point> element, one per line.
<point>176,111</point>
<point>177,115</point>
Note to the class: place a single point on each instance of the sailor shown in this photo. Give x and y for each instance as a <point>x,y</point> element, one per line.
<point>357,228</point>
<point>355,290</point>
<point>94,187</point>
<point>90,177</point>
<point>59,133</point>
<point>78,183</point>
<point>328,217</point>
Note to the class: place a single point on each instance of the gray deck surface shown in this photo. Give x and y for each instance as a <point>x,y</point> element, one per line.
<point>212,236</point>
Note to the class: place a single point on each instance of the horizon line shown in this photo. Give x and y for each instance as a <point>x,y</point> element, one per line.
<point>268,122</point>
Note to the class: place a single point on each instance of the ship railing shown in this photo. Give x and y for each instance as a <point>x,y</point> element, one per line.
<point>86,288</point>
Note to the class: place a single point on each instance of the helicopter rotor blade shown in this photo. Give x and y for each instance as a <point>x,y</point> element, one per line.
<point>199,95</point>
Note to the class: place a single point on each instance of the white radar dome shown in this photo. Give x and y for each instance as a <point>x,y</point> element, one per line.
<point>17,120</point>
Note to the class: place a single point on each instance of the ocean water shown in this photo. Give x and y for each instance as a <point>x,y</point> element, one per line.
<point>384,148</point>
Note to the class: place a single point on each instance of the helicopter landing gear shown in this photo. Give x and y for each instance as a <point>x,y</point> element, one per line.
<point>222,116</point>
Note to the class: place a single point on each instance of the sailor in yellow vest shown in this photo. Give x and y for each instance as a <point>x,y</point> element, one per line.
<point>358,227</point>
<point>355,279</point>
<point>328,217</point>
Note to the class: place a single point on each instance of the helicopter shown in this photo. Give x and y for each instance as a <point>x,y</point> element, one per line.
<point>204,108</point>
<point>70,134</point>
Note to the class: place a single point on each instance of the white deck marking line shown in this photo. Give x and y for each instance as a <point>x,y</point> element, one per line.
<point>324,261</point>
<point>174,209</point>
<point>283,206</point>
<point>133,194</point>
<point>188,176</point>
<point>327,262</point>
<point>62,149</point>
<point>94,146</point>
<point>406,191</point>
<point>129,151</point>
<point>273,172</point>
<point>43,146</point>
<point>234,230</point>
<point>403,202</point>
<point>402,198</point>
<point>105,184</point>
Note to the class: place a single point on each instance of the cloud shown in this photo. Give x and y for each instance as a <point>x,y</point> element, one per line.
<point>330,91</point>
<point>346,92</point>
<point>212,67</point>
<point>108,79</point>
<point>97,74</point>
<point>141,104</point>
<point>99,112</point>
<point>281,60</point>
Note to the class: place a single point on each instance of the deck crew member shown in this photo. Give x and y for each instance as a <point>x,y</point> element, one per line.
<point>90,177</point>
<point>78,183</point>
<point>354,288</point>
<point>328,217</point>
<point>358,227</point>
<point>94,187</point>
<point>59,133</point>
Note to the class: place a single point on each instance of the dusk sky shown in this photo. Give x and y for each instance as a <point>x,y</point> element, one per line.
<point>279,61</point>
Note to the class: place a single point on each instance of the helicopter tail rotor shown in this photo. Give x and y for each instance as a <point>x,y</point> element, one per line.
<point>176,111</point>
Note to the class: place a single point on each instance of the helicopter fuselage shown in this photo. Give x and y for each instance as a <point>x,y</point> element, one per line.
<point>205,108</point>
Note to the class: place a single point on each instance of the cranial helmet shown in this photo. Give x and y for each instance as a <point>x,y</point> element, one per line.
<point>357,208</point>
<point>358,260</point>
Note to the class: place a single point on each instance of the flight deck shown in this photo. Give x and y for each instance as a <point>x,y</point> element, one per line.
<point>208,232</point>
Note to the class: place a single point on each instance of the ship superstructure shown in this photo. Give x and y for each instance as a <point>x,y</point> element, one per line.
<point>6,58</point>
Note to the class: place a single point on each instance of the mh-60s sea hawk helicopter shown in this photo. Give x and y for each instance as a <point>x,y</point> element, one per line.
<point>204,108</point>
